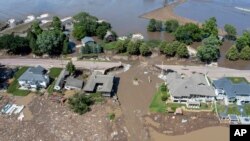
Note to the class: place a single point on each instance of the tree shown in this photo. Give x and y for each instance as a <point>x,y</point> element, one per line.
<point>121,46</point>
<point>101,31</point>
<point>15,44</point>
<point>188,33</point>
<point>171,25</point>
<point>209,27</point>
<point>50,42</point>
<point>56,23</point>
<point>154,25</point>
<point>241,43</point>
<point>133,48</point>
<point>245,53</point>
<point>231,31</point>
<point>208,53</point>
<point>70,67</point>
<point>211,40</point>
<point>158,26</point>
<point>35,28</point>
<point>162,46</point>
<point>80,103</point>
<point>170,48</point>
<point>66,49</point>
<point>182,51</point>
<point>151,25</point>
<point>233,54</point>
<point>145,50</point>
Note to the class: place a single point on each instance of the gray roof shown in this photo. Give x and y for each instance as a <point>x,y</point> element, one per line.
<point>72,82</point>
<point>197,84</point>
<point>34,74</point>
<point>61,77</point>
<point>108,33</point>
<point>87,39</point>
<point>105,80</point>
<point>231,89</point>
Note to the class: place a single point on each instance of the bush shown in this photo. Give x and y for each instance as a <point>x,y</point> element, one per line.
<point>144,50</point>
<point>134,48</point>
<point>182,51</point>
<point>171,25</point>
<point>245,53</point>
<point>164,97</point>
<point>232,54</point>
<point>80,103</point>
<point>111,116</point>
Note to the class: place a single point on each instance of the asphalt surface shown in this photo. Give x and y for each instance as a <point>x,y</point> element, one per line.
<point>212,72</point>
<point>48,63</point>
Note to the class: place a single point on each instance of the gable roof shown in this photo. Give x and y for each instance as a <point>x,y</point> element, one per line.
<point>72,82</point>
<point>105,80</point>
<point>87,39</point>
<point>61,78</point>
<point>34,74</point>
<point>231,89</point>
<point>197,84</point>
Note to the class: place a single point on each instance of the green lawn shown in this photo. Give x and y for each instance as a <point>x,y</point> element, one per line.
<point>157,105</point>
<point>109,46</point>
<point>174,106</point>
<point>13,87</point>
<point>54,72</point>
<point>237,80</point>
<point>247,109</point>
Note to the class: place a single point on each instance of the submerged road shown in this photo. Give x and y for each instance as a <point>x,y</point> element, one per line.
<point>48,63</point>
<point>212,72</point>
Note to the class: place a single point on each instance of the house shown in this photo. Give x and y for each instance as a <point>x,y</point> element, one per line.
<point>109,37</point>
<point>87,41</point>
<point>67,24</point>
<point>100,83</point>
<point>73,84</point>
<point>189,89</point>
<point>34,77</point>
<point>232,92</point>
<point>60,80</point>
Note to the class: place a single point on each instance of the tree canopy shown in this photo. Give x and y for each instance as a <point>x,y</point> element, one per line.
<point>208,53</point>
<point>171,25</point>
<point>56,23</point>
<point>50,42</point>
<point>145,50</point>
<point>15,44</point>
<point>154,25</point>
<point>188,33</point>
<point>209,27</point>
<point>182,51</point>
<point>245,53</point>
<point>233,54</point>
<point>133,48</point>
<point>70,67</point>
<point>231,31</point>
<point>80,103</point>
<point>35,28</point>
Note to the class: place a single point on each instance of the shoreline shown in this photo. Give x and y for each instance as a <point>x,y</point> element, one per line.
<point>167,13</point>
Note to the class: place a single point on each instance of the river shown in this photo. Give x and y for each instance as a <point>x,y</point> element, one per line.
<point>235,12</point>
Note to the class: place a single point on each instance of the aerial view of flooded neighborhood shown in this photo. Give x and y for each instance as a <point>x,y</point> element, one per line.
<point>123,70</point>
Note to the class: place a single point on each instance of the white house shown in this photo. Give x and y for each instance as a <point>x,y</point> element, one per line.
<point>34,77</point>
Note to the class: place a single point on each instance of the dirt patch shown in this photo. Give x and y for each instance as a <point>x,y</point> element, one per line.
<point>206,134</point>
<point>171,124</point>
<point>52,121</point>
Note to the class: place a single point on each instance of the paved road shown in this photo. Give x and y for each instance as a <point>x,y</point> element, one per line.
<point>48,63</point>
<point>212,72</point>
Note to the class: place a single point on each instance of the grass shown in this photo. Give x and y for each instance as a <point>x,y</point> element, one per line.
<point>237,80</point>
<point>97,97</point>
<point>174,106</point>
<point>110,46</point>
<point>14,86</point>
<point>111,116</point>
<point>247,109</point>
<point>153,43</point>
<point>54,72</point>
<point>157,105</point>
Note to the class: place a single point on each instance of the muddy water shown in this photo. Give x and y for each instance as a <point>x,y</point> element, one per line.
<point>123,14</point>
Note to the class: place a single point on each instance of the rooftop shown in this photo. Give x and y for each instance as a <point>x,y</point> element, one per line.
<point>105,80</point>
<point>231,89</point>
<point>70,81</point>
<point>197,84</point>
<point>87,39</point>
